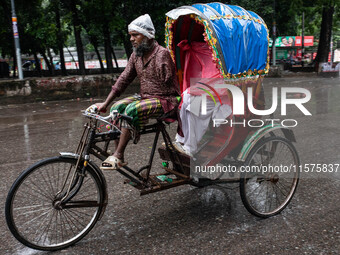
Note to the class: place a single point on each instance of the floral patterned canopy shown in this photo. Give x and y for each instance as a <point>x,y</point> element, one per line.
<point>238,39</point>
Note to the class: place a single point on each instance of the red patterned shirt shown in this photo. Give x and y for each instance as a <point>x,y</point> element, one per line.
<point>157,77</point>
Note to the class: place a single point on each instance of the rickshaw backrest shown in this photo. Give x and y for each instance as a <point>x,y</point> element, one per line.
<point>196,62</point>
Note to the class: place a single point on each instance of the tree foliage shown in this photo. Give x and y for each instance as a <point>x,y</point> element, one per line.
<point>49,25</point>
<point>322,21</point>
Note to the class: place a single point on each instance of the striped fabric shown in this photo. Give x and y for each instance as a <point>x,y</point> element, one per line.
<point>139,109</point>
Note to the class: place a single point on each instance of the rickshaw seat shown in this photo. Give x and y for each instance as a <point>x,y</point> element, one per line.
<point>171,116</point>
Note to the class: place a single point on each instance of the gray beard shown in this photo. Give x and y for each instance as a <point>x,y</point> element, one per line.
<point>144,47</point>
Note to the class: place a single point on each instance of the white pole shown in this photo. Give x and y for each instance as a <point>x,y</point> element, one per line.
<point>16,41</point>
<point>331,48</point>
<point>273,45</point>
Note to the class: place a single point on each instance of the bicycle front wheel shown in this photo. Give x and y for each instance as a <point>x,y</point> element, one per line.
<point>270,177</point>
<point>36,214</point>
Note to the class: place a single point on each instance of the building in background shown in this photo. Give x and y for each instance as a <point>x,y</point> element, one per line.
<point>289,49</point>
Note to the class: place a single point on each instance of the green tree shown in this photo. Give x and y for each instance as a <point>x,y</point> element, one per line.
<point>321,19</point>
<point>91,22</point>
<point>54,7</point>
<point>6,34</point>
<point>100,22</point>
<point>328,8</point>
<point>37,33</point>
<point>74,9</point>
<point>45,25</point>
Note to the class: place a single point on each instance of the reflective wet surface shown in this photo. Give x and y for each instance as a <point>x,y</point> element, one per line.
<point>186,219</point>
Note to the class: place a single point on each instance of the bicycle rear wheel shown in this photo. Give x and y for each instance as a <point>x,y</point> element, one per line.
<point>270,178</point>
<point>34,212</point>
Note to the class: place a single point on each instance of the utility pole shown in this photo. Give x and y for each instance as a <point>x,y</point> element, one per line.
<point>331,49</point>
<point>16,41</point>
<point>303,40</point>
<point>274,39</point>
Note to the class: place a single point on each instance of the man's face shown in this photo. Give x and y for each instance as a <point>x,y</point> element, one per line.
<point>136,38</point>
<point>140,43</point>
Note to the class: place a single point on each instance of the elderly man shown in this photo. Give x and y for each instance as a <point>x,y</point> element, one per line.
<point>153,66</point>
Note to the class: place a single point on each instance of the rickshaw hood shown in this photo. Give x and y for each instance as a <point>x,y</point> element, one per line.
<point>238,39</point>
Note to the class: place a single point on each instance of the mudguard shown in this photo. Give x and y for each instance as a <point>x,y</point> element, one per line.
<point>253,139</point>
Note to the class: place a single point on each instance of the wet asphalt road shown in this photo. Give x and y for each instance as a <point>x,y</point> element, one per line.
<point>187,220</point>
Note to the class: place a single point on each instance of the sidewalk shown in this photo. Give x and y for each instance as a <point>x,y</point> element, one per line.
<point>55,88</point>
<point>72,87</point>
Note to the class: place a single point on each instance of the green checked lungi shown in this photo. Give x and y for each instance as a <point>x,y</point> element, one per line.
<point>139,109</point>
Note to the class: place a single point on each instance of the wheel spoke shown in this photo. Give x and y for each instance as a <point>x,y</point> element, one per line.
<point>39,190</point>
<point>72,219</point>
<point>41,225</point>
<point>45,229</point>
<point>33,211</point>
<point>68,222</point>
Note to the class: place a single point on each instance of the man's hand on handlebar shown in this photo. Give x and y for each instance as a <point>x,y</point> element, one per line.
<point>101,107</point>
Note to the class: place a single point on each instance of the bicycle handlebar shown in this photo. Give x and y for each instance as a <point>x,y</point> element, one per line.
<point>92,112</point>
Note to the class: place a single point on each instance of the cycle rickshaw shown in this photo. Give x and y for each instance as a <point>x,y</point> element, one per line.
<point>57,201</point>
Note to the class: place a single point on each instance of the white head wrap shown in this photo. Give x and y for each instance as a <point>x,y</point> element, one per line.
<point>143,24</point>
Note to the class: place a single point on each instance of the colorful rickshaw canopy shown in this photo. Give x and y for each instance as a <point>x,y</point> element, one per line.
<point>238,38</point>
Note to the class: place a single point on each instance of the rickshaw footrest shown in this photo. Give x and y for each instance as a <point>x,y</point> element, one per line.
<point>164,186</point>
